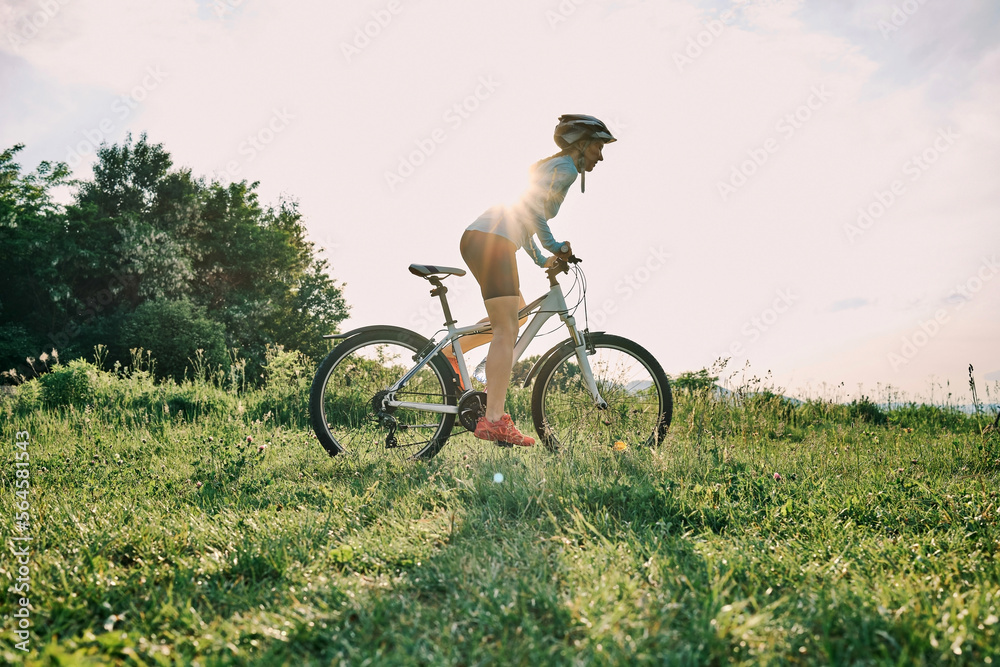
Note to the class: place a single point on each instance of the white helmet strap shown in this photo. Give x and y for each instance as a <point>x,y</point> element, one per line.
<point>581,165</point>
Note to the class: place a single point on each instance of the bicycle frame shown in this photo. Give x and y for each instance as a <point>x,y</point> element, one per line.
<point>544,307</point>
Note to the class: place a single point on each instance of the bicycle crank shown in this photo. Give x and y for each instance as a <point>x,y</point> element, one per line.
<point>471,407</point>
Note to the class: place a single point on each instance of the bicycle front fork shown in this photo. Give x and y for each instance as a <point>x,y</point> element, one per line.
<point>584,348</point>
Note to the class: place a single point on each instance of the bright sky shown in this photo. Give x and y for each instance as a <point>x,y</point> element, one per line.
<point>807,186</point>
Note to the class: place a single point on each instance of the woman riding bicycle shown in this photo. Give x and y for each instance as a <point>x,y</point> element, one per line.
<point>489,244</point>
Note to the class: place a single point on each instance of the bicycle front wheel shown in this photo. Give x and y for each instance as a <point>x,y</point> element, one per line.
<point>631,382</point>
<point>345,399</point>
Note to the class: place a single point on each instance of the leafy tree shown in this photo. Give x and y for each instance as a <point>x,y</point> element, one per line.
<point>33,291</point>
<point>258,275</point>
<point>694,381</point>
<point>521,369</point>
<point>141,232</point>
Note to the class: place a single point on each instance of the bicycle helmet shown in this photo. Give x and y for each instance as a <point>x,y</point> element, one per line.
<point>573,128</point>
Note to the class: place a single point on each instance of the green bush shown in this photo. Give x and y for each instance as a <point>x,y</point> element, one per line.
<point>174,331</point>
<point>73,384</point>
<point>286,369</point>
<point>21,399</point>
<point>693,382</point>
<point>287,378</point>
<point>866,411</point>
<point>198,400</point>
<point>912,415</point>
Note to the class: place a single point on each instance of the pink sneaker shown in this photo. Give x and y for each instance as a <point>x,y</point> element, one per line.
<point>502,431</point>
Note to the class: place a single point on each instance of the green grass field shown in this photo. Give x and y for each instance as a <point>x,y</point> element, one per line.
<point>203,524</point>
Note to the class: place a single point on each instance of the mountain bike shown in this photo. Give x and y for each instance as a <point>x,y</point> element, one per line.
<point>386,386</point>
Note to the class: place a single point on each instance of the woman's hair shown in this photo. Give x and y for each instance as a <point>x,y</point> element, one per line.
<point>564,151</point>
<point>569,150</point>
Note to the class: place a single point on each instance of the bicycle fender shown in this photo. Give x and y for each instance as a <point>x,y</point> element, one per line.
<point>361,330</point>
<point>545,357</point>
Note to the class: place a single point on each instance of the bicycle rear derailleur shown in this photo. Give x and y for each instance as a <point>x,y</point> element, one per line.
<point>383,417</point>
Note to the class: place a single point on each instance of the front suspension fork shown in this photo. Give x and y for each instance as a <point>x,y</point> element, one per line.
<point>584,348</point>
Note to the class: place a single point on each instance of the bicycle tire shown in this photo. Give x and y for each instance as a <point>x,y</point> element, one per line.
<point>348,379</point>
<point>630,380</point>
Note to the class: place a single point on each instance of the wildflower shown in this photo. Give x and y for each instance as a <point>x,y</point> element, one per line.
<point>198,485</point>
<point>261,448</point>
<point>777,477</point>
<point>109,624</point>
<point>249,438</point>
<point>620,446</point>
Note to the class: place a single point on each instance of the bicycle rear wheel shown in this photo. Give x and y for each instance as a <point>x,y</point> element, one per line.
<point>342,402</point>
<point>630,380</point>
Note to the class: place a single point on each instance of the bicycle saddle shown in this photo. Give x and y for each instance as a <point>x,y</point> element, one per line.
<point>428,270</point>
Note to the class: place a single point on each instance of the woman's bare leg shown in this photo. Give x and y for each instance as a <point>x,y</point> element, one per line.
<point>476,340</point>
<point>502,311</point>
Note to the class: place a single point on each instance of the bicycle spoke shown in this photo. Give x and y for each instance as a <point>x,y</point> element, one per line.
<point>358,374</point>
<point>633,393</point>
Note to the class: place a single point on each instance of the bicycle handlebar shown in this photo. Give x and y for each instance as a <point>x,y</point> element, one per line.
<point>561,266</point>
<point>564,249</point>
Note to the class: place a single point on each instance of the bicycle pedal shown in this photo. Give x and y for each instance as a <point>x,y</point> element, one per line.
<point>501,443</point>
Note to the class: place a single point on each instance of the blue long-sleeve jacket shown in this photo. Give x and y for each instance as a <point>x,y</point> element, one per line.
<point>550,180</point>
